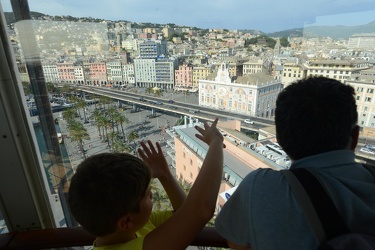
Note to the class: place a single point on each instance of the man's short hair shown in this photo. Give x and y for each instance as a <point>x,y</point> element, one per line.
<point>106,187</point>
<point>315,115</point>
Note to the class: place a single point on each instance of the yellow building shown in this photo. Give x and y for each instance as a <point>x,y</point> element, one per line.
<point>200,73</point>
<point>292,71</point>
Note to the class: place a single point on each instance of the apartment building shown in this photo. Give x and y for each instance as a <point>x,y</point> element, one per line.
<point>155,72</point>
<point>95,73</point>
<point>167,31</point>
<point>200,73</point>
<point>79,75</point>
<point>128,75</point>
<point>292,71</point>
<point>50,73</point>
<point>253,95</point>
<point>254,65</point>
<point>184,77</point>
<point>66,72</point>
<point>164,72</point>
<point>362,41</point>
<point>145,75</point>
<point>335,69</point>
<point>114,73</point>
<point>152,49</point>
<point>364,85</point>
<point>130,44</point>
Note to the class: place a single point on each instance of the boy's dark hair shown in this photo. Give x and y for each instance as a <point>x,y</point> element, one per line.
<point>105,187</point>
<point>315,115</point>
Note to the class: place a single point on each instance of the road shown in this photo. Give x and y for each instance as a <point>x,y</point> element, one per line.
<point>182,104</point>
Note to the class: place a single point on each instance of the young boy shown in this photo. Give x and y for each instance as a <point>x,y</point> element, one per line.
<point>110,197</point>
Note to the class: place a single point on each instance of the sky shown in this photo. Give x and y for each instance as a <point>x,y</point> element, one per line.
<point>263,15</point>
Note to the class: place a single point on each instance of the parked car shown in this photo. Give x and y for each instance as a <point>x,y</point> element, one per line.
<point>193,111</point>
<point>367,151</point>
<point>158,103</point>
<point>142,99</point>
<point>248,121</point>
<point>370,146</point>
<point>171,101</point>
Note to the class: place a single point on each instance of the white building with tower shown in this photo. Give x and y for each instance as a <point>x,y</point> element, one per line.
<point>253,95</point>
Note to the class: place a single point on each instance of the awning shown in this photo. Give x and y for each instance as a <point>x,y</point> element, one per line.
<point>227,194</point>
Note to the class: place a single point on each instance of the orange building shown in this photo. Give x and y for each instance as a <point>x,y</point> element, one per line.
<point>241,155</point>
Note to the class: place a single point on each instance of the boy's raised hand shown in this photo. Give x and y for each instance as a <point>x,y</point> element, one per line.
<point>209,133</point>
<point>154,158</point>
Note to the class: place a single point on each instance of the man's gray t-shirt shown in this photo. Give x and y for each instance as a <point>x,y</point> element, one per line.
<point>264,213</point>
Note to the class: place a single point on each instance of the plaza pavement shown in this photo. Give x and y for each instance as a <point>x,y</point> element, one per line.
<point>147,129</point>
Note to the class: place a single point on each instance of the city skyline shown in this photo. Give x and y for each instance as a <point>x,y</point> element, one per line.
<point>216,14</point>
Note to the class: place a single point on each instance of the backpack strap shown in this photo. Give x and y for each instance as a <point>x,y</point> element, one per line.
<point>328,215</point>
<point>307,206</point>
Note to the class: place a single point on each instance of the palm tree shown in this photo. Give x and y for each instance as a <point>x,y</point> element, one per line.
<point>51,87</point>
<point>158,93</point>
<point>96,98</point>
<point>104,122</point>
<point>121,119</point>
<point>160,198</point>
<point>78,133</point>
<point>149,90</point>
<point>74,99</point>
<point>112,113</point>
<point>112,135</point>
<point>105,100</point>
<point>96,114</point>
<point>67,88</point>
<point>120,146</point>
<point>132,137</point>
<point>82,104</point>
<point>68,114</point>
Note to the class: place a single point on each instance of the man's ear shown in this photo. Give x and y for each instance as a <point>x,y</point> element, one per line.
<point>125,223</point>
<point>354,137</point>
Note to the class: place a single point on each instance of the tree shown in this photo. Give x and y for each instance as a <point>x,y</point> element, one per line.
<point>112,113</point>
<point>26,88</point>
<point>96,114</point>
<point>160,198</point>
<point>121,119</point>
<point>149,90</point>
<point>269,42</point>
<point>132,137</point>
<point>78,133</point>
<point>83,104</point>
<point>51,87</point>
<point>103,122</point>
<point>74,99</point>
<point>67,88</point>
<point>120,146</point>
<point>112,135</point>
<point>284,42</point>
<point>68,114</point>
<point>105,100</point>
<point>158,93</point>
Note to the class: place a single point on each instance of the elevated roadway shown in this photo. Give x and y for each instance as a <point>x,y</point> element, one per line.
<point>177,107</point>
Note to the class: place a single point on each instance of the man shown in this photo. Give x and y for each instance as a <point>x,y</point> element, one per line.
<point>316,125</point>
